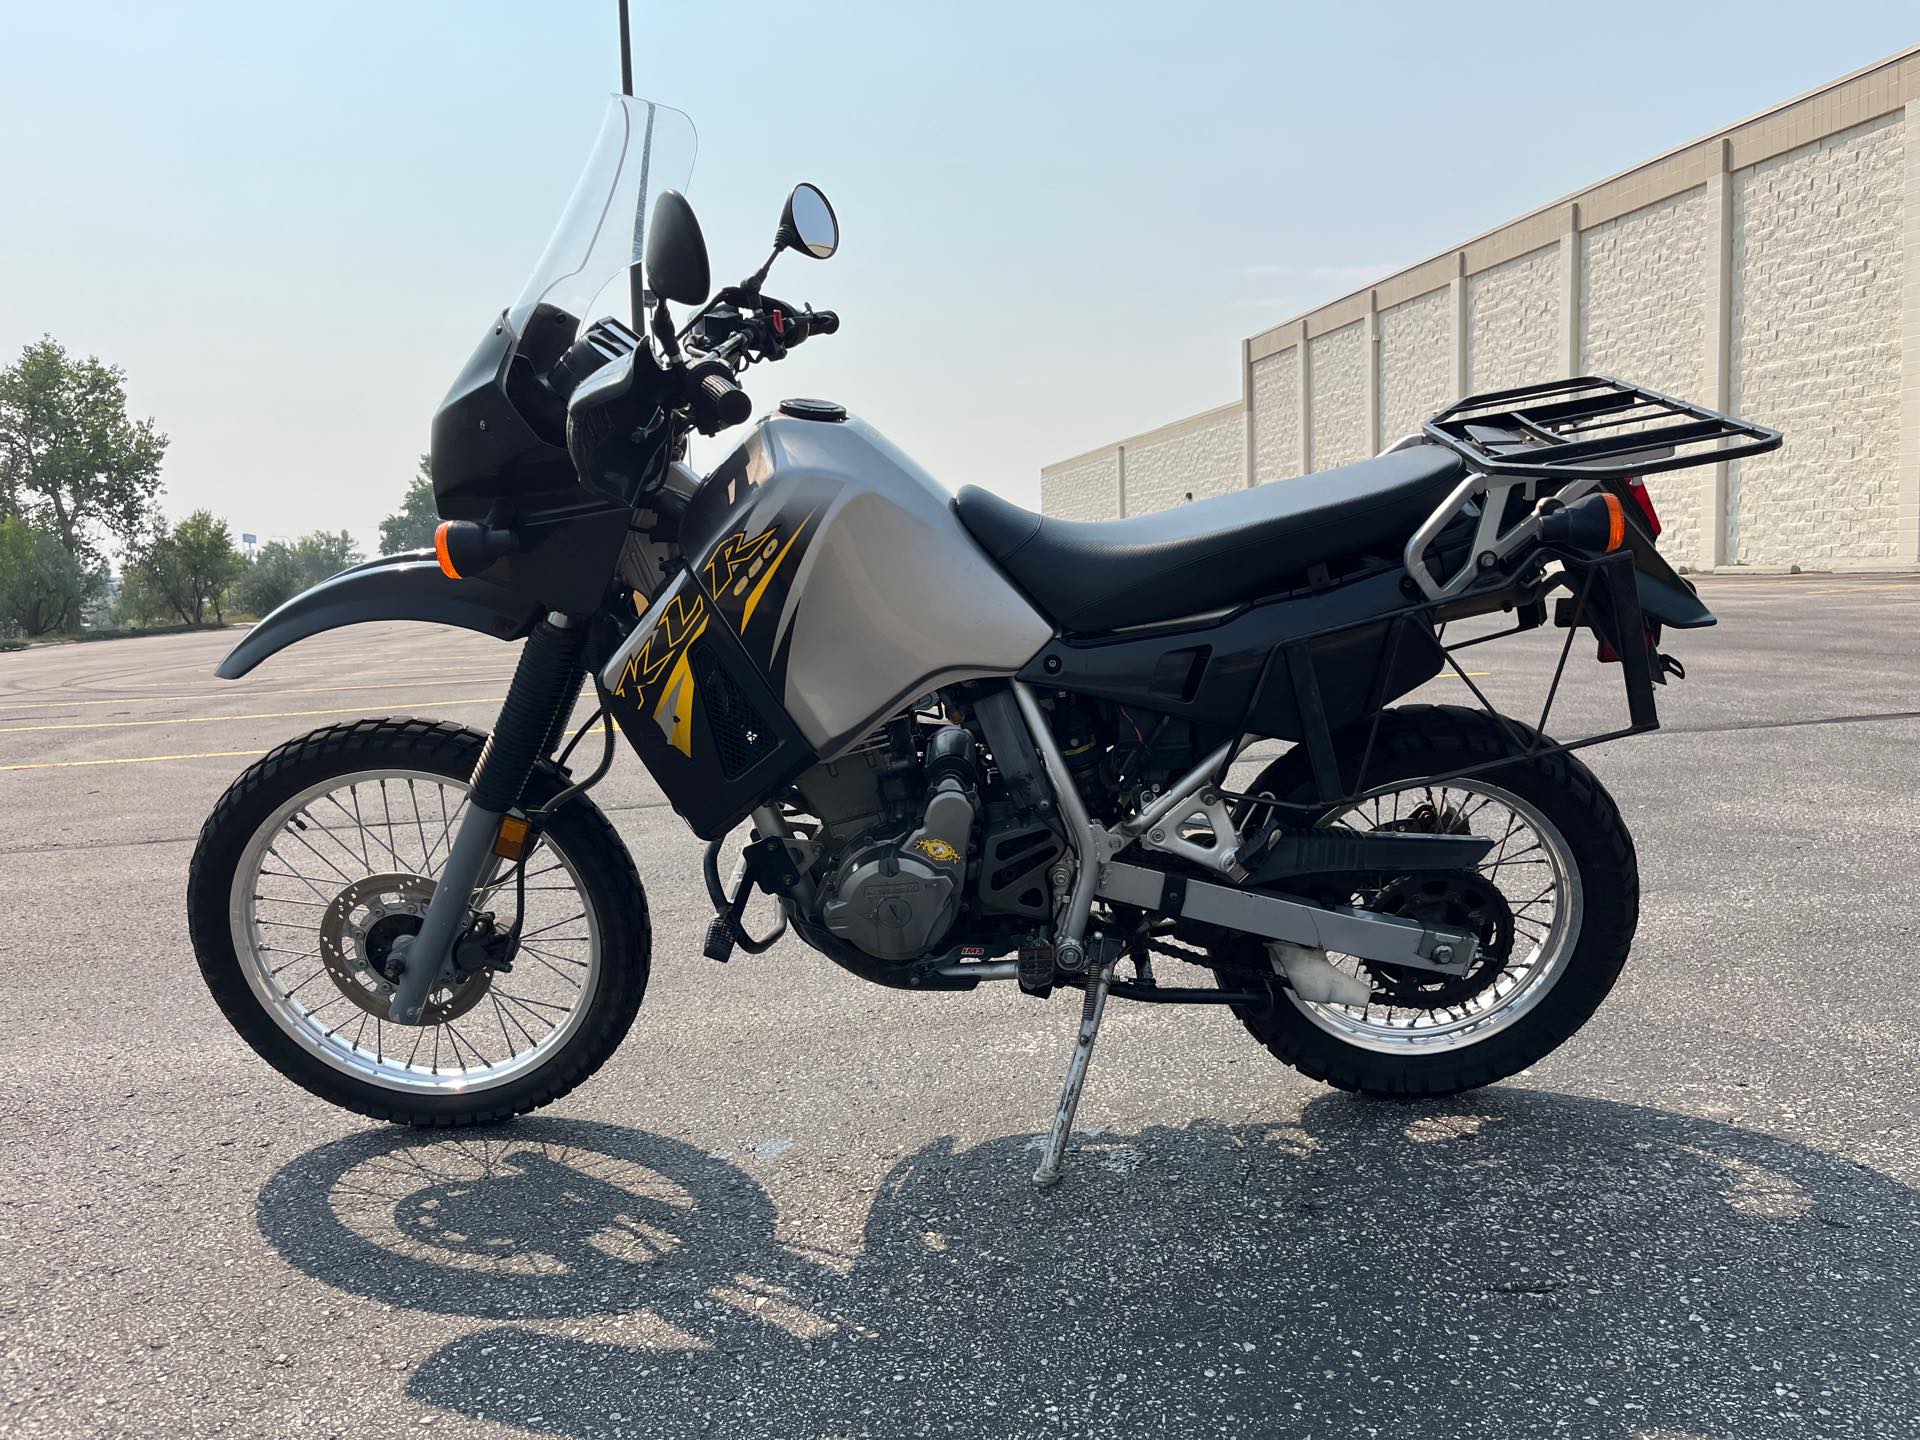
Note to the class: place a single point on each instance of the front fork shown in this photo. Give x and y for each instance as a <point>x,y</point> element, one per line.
<point>539,702</point>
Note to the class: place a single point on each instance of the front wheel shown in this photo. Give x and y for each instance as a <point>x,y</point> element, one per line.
<point>1555,904</point>
<point>325,852</point>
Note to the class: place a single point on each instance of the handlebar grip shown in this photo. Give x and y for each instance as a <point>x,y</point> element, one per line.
<point>724,401</point>
<point>823,322</point>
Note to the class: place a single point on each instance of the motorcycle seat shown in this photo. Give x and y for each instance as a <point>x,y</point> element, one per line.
<point>1089,576</point>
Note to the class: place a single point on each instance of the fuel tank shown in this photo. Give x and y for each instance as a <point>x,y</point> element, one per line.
<point>836,586</point>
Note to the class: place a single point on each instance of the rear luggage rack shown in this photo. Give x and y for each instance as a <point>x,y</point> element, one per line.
<point>1561,438</point>
<point>1590,427</point>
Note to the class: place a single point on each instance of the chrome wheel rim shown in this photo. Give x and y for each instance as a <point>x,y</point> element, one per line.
<point>347,863</point>
<point>1531,865</point>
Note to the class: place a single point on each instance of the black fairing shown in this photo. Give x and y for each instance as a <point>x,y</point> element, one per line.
<point>485,450</point>
<point>499,456</point>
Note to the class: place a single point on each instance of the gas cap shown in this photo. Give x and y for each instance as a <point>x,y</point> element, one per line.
<point>813,410</point>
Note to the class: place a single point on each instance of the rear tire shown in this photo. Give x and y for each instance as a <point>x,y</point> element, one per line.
<point>1335,1044</point>
<point>588,856</point>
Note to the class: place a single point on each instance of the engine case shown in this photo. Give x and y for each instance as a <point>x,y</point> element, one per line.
<point>897,899</point>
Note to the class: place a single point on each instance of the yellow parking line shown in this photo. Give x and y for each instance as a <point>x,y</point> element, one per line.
<point>1858,589</point>
<point>247,694</point>
<point>132,760</point>
<point>217,719</point>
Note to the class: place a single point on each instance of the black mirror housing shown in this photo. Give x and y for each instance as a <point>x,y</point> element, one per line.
<point>677,267</point>
<point>808,224</point>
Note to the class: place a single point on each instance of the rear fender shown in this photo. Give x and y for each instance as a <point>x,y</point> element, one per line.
<point>411,586</point>
<point>1665,594</point>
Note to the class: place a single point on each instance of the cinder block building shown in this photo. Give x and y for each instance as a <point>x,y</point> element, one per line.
<point>1771,269</point>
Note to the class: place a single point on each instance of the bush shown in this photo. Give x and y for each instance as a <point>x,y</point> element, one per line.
<point>43,588</point>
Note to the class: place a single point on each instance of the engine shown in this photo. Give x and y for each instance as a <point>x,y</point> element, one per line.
<point>894,894</point>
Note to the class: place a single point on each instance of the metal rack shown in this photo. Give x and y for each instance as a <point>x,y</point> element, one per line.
<point>1590,427</point>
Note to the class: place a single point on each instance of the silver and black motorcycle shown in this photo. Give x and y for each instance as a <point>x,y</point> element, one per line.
<point>970,744</point>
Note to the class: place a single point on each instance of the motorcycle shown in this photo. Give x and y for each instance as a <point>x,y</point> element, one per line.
<point>971,744</point>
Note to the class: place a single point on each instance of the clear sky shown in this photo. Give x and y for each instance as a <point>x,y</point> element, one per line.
<point>291,222</point>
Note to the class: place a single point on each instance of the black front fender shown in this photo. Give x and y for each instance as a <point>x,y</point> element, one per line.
<point>399,587</point>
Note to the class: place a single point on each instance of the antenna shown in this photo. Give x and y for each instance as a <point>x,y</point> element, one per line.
<point>626,52</point>
<point>637,294</point>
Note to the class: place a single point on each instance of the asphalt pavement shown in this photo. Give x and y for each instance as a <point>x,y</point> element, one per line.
<point>797,1205</point>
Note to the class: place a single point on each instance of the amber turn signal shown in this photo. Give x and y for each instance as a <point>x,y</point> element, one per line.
<point>511,842</point>
<point>1616,521</point>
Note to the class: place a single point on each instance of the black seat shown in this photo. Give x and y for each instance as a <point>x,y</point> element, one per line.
<point>1104,574</point>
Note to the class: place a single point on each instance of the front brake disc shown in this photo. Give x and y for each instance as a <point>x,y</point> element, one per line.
<point>356,943</point>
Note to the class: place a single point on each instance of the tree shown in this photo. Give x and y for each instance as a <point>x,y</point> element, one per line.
<point>71,459</point>
<point>189,567</point>
<point>43,586</point>
<point>327,552</point>
<point>413,526</point>
<point>280,571</point>
<point>271,580</point>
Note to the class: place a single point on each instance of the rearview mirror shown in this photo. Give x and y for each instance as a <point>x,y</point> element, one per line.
<point>677,252</point>
<point>808,224</point>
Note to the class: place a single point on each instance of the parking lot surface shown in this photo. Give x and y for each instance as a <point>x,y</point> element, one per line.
<point>797,1205</point>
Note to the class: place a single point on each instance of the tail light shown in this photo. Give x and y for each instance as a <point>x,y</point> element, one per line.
<point>1643,497</point>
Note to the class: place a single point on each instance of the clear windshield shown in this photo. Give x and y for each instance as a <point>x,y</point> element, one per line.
<point>643,149</point>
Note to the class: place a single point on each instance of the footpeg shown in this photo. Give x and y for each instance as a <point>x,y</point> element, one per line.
<point>1036,969</point>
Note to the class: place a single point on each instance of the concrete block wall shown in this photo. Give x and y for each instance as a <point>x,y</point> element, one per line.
<point>1274,389</point>
<point>1415,362</point>
<point>1644,314</point>
<point>1818,259</point>
<point>1513,321</point>
<point>1772,269</point>
<point>1190,459</point>
<point>1341,432</point>
<point>1087,488</point>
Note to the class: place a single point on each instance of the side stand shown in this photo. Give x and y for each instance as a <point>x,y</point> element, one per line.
<point>1095,1005</point>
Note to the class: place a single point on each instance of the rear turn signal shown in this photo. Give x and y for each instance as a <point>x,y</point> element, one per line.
<point>1616,521</point>
<point>1593,524</point>
<point>440,549</point>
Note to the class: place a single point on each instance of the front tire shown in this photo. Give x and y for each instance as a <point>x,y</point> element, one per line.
<point>1555,972</point>
<point>299,885</point>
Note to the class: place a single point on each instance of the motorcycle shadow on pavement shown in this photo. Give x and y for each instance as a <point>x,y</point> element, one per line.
<point>1513,1262</point>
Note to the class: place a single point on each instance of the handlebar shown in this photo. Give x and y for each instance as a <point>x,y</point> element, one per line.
<point>817,322</point>
<point>717,401</point>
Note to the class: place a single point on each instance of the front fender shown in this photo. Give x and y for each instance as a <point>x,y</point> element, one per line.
<point>399,587</point>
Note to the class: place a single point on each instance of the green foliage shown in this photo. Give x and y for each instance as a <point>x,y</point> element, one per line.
<point>273,578</point>
<point>413,526</point>
<point>280,571</point>
<point>187,568</point>
<point>71,459</point>
<point>43,587</point>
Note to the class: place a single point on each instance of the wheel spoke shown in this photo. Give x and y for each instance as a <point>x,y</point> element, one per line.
<point>322,981</point>
<point>1527,920</point>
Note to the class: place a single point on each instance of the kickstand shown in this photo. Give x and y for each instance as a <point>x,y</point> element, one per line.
<point>1052,1163</point>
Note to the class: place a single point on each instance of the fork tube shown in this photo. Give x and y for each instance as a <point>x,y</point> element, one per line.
<point>547,677</point>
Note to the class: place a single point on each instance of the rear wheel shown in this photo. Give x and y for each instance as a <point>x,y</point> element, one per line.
<point>325,852</point>
<point>1554,904</point>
